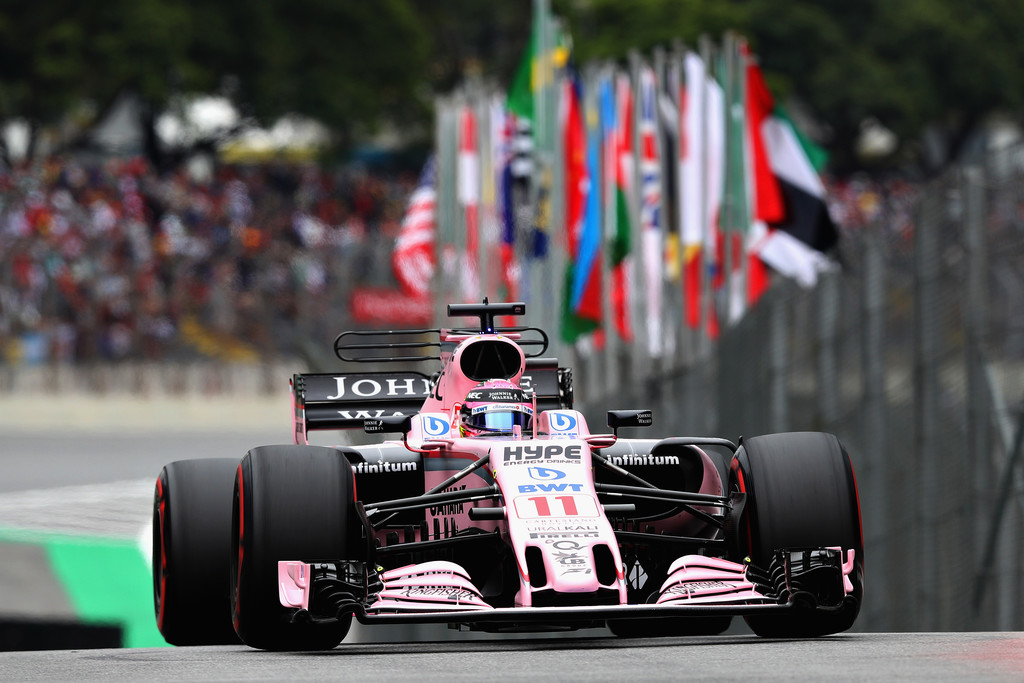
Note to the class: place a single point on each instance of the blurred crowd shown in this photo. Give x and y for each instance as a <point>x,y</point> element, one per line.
<point>861,201</point>
<point>109,261</point>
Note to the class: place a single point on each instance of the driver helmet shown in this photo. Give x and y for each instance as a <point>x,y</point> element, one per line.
<point>494,407</point>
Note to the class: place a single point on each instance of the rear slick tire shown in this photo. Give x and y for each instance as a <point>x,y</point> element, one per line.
<point>290,503</point>
<point>192,552</point>
<point>800,493</point>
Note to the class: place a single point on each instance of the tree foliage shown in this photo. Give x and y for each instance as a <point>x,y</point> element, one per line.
<point>943,66</point>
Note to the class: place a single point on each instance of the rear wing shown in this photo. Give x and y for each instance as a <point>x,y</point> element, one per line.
<point>341,400</point>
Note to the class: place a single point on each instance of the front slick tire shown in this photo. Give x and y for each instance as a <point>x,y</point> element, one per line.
<point>191,551</point>
<point>290,503</point>
<point>801,493</point>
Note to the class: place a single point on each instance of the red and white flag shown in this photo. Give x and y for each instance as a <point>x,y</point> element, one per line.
<point>650,207</point>
<point>413,258</point>
<point>469,199</point>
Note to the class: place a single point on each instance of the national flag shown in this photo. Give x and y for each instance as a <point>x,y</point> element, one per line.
<point>797,244</point>
<point>622,167</point>
<point>586,285</point>
<point>469,199</point>
<point>503,125</point>
<point>693,176</point>
<point>650,208</point>
<point>577,189</point>
<point>413,258</point>
<point>792,228</point>
<point>766,196</point>
<point>521,90</point>
<point>536,70</point>
<point>714,239</point>
<point>739,179</point>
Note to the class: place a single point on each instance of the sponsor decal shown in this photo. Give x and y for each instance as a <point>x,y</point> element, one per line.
<point>497,395</point>
<point>549,488</point>
<point>435,426</point>
<point>645,459</point>
<point>449,508</point>
<point>385,306</point>
<point>365,387</point>
<point>514,454</point>
<point>547,535</point>
<point>571,557</point>
<point>562,422</point>
<point>384,466</point>
<point>554,525</point>
<point>502,407</point>
<point>545,473</point>
<point>444,592</point>
<point>369,414</point>
<point>691,587</point>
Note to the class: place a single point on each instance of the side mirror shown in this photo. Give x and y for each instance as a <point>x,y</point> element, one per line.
<point>629,418</point>
<point>390,424</point>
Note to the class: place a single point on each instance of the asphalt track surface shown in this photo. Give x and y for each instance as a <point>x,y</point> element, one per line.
<point>95,476</point>
<point>934,657</point>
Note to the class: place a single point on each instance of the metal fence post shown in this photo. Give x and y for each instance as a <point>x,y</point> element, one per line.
<point>926,362</point>
<point>778,355</point>
<point>875,472</point>
<point>829,381</point>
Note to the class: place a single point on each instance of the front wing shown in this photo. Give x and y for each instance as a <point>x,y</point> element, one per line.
<point>441,592</point>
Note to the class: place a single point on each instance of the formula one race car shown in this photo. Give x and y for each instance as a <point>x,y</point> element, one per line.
<point>499,510</point>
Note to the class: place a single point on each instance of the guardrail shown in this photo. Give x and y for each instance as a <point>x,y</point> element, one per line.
<point>195,378</point>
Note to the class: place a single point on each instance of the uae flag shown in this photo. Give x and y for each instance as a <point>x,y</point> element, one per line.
<point>796,244</point>
<point>792,229</point>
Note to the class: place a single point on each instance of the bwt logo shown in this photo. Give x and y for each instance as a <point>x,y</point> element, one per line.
<point>562,422</point>
<point>521,453</point>
<point>549,488</point>
<point>435,426</point>
<point>545,474</point>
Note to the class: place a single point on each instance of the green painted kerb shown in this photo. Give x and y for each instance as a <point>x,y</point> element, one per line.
<point>106,580</point>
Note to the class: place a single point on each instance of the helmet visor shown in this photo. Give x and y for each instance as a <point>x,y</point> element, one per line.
<point>500,417</point>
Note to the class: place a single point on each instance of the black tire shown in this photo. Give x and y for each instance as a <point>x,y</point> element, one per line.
<point>801,492</point>
<point>290,503</point>
<point>662,627</point>
<point>192,552</point>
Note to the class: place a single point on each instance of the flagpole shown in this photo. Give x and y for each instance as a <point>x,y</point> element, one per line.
<point>606,99</point>
<point>707,296</point>
<point>729,203</point>
<point>665,312</point>
<point>639,364</point>
<point>674,86</point>
<point>446,204</point>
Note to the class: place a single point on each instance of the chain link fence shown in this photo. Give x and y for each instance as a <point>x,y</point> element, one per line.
<point>913,354</point>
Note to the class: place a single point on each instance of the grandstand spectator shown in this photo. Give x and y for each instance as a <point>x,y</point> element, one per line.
<point>108,261</point>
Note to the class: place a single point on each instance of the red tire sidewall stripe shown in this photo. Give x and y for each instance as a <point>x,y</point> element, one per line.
<point>163,553</point>
<point>241,543</point>
<point>747,507</point>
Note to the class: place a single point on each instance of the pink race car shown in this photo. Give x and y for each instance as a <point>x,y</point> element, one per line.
<point>499,510</point>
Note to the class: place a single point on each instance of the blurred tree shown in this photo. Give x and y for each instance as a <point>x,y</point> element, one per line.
<point>350,65</point>
<point>57,55</point>
<point>935,68</point>
<point>479,39</point>
<point>940,67</point>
